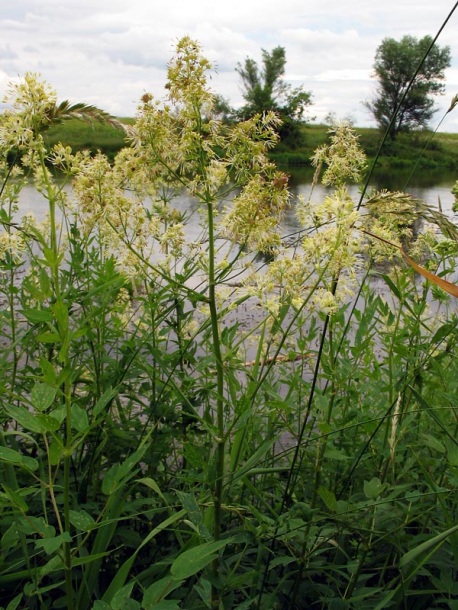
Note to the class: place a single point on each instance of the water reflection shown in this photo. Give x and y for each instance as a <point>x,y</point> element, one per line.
<point>436,193</point>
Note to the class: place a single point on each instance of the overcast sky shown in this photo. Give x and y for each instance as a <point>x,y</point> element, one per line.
<point>109,52</point>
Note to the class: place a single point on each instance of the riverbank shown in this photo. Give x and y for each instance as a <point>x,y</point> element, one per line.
<point>416,150</point>
<point>420,150</point>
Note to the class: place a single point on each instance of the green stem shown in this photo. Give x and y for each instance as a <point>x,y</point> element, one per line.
<point>220,448</point>
<point>63,330</point>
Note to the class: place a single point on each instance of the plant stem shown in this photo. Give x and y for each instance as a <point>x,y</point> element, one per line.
<point>220,448</point>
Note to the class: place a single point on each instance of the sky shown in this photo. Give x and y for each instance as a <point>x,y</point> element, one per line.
<point>110,52</point>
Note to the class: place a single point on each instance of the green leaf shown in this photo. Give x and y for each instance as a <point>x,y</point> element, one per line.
<point>166,604</point>
<point>119,473</point>
<point>151,483</point>
<point>121,600</point>
<point>373,488</point>
<point>82,561</point>
<point>421,548</point>
<point>102,402</point>
<point>100,605</point>
<point>15,499</point>
<point>191,506</point>
<point>392,286</point>
<point>51,545</point>
<point>442,332</point>
<point>196,559</point>
<point>30,421</point>
<point>37,316</point>
<point>158,590</point>
<point>14,457</point>
<point>60,310</point>
<point>49,372</point>
<point>328,498</point>
<point>110,480</point>
<point>82,520</point>
<point>14,603</point>
<point>452,452</point>
<point>123,572</point>
<point>35,525</point>
<point>42,396</point>
<point>48,337</point>
<point>80,419</point>
<point>433,443</point>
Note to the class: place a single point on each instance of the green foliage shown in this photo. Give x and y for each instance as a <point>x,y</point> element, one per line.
<point>409,72</point>
<point>222,417</point>
<point>266,90</point>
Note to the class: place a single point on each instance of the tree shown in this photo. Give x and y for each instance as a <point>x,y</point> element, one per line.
<point>264,89</point>
<point>395,65</point>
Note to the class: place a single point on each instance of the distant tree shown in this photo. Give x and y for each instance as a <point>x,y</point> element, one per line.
<point>264,89</point>
<point>223,110</point>
<point>395,65</point>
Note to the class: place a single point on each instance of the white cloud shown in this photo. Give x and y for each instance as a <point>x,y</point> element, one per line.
<point>108,52</point>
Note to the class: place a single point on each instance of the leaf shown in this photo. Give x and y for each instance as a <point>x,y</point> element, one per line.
<point>166,604</point>
<point>49,372</point>
<point>121,472</point>
<point>151,483</point>
<point>373,488</point>
<point>191,506</point>
<point>82,561</point>
<point>37,316</point>
<point>121,600</point>
<point>82,520</point>
<point>42,396</point>
<point>442,332</point>
<point>158,590</point>
<point>123,572</point>
<point>196,559</point>
<point>452,452</point>
<point>102,402</point>
<point>48,337</point>
<point>80,419</point>
<point>51,545</point>
<point>14,603</point>
<point>438,281</point>
<point>435,279</point>
<point>15,499</point>
<point>100,605</point>
<point>421,548</point>
<point>328,498</point>
<point>30,421</point>
<point>433,443</point>
<point>14,457</point>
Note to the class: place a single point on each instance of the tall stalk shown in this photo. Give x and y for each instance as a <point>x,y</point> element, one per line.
<point>61,314</point>
<point>220,440</point>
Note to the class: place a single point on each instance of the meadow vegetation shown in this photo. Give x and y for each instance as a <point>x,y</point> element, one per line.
<point>234,419</point>
<point>437,154</point>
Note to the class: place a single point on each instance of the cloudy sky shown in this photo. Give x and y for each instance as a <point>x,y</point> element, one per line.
<point>109,52</point>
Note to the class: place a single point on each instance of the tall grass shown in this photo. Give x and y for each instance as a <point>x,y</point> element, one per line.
<point>228,419</point>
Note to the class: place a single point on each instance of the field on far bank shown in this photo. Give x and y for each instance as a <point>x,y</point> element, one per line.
<point>441,151</point>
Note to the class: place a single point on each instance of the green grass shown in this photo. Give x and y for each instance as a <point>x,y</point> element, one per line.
<point>88,136</point>
<point>441,152</point>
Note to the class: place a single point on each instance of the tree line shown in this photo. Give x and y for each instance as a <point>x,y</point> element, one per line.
<point>410,72</point>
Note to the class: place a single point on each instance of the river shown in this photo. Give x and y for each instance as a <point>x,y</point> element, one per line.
<point>433,189</point>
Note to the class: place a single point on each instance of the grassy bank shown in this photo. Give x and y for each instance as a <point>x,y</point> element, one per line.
<point>403,154</point>
<point>406,152</point>
<point>88,136</point>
